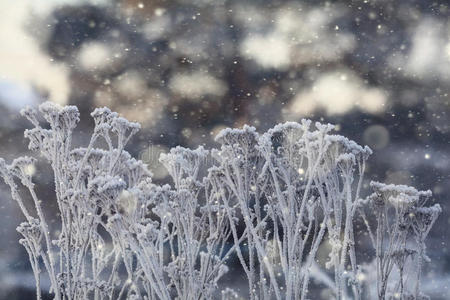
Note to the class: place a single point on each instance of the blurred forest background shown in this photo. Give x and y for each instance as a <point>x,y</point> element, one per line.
<point>184,69</point>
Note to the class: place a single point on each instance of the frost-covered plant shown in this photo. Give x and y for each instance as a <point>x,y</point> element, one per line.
<point>300,181</point>
<point>275,198</point>
<point>402,222</point>
<point>112,215</point>
<point>88,182</point>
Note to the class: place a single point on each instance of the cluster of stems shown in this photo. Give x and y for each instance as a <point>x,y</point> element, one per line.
<point>270,200</point>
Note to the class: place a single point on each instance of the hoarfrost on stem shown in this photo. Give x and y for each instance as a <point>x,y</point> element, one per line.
<point>271,200</point>
<point>402,223</point>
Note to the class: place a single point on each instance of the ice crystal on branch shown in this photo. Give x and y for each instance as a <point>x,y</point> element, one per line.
<point>270,200</point>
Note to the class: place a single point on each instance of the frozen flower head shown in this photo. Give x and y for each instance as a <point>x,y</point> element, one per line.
<point>103,115</point>
<point>246,137</point>
<point>148,232</point>
<point>39,139</point>
<point>182,162</point>
<point>403,201</point>
<point>23,168</point>
<point>344,145</point>
<point>288,130</point>
<point>58,117</point>
<point>107,187</point>
<point>70,116</point>
<point>283,139</point>
<point>423,218</point>
<point>346,160</point>
<point>31,230</point>
<point>324,128</point>
<point>396,195</point>
<point>122,126</point>
<point>393,189</point>
<point>30,114</point>
<point>239,145</point>
<point>50,111</point>
<point>367,152</point>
